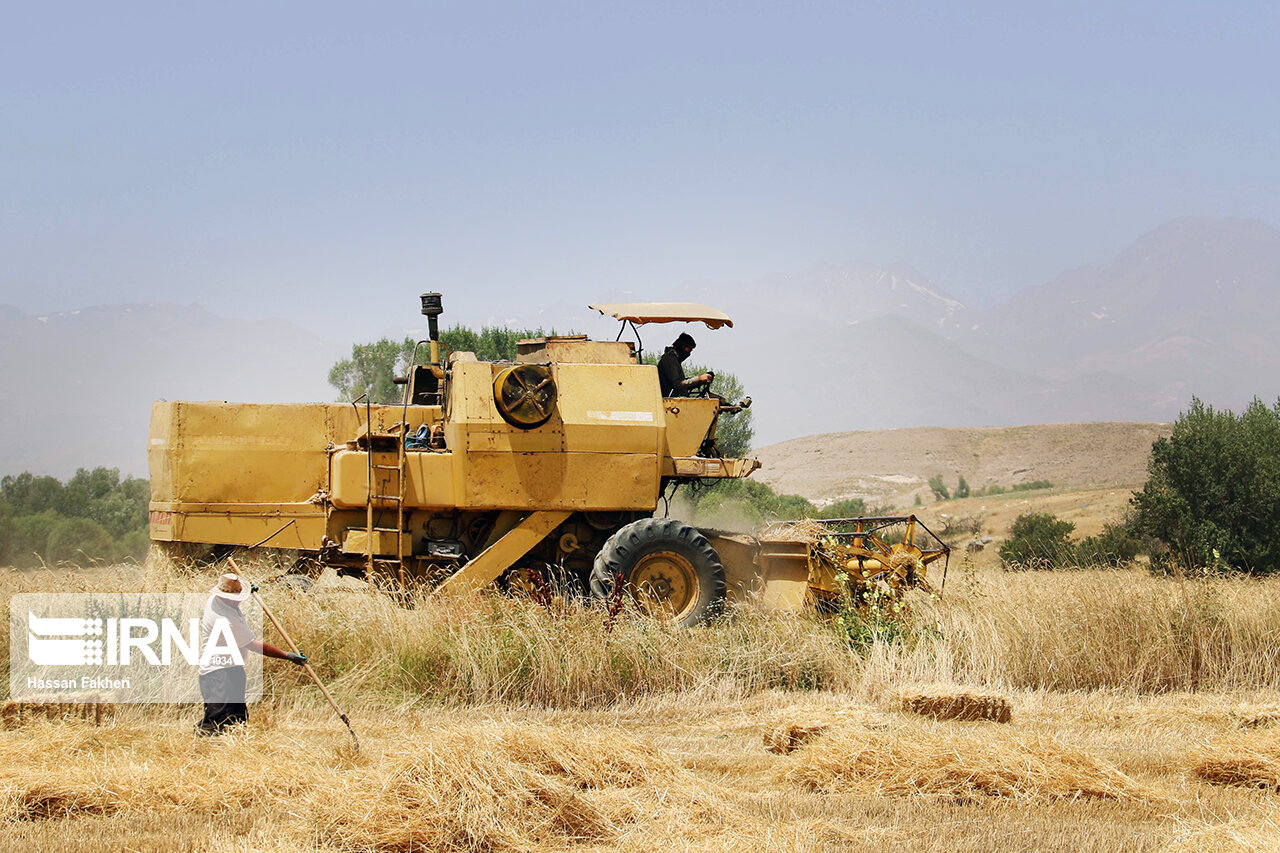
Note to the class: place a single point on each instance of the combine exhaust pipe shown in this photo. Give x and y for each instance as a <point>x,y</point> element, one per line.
<point>432,308</point>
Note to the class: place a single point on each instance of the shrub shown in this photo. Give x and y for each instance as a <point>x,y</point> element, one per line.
<point>848,508</point>
<point>6,534</point>
<point>1038,540</point>
<point>133,544</point>
<point>1118,543</point>
<point>78,541</point>
<point>939,488</point>
<point>956,529</point>
<point>748,500</point>
<point>31,538</point>
<point>1213,490</point>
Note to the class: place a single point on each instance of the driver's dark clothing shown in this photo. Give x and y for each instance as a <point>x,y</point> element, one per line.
<point>671,378</point>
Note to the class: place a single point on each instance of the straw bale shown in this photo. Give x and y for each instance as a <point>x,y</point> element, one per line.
<point>1246,762</point>
<point>15,714</point>
<point>950,705</point>
<point>785,738</point>
<point>48,795</point>
<point>956,763</point>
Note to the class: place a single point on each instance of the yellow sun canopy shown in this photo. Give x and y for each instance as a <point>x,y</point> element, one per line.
<point>665,312</point>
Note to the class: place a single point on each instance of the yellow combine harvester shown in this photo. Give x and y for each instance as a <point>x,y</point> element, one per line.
<point>547,468</point>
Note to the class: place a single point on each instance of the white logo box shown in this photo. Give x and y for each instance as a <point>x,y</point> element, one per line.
<point>124,647</point>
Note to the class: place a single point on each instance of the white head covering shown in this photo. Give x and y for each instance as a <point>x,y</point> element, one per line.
<point>227,583</point>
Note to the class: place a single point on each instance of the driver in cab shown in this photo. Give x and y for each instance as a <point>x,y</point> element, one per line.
<point>671,376</point>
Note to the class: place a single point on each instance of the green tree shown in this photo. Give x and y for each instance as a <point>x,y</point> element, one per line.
<point>939,488</point>
<point>6,535</point>
<point>99,494</point>
<point>134,544</point>
<point>491,343</point>
<point>1038,540</point>
<point>35,516</point>
<point>31,537</point>
<point>371,370</point>
<point>962,489</point>
<point>27,494</point>
<point>372,367</point>
<point>1213,489</point>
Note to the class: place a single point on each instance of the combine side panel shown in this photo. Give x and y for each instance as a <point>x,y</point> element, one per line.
<point>233,473</point>
<point>598,450</point>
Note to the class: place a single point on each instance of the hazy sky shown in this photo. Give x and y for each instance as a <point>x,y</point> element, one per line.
<point>328,162</point>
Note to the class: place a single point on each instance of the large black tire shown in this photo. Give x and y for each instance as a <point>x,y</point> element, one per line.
<point>667,568</point>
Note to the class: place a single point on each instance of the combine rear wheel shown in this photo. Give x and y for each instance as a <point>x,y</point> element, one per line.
<point>668,568</point>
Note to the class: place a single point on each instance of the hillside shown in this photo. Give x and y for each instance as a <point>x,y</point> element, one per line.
<point>892,466</point>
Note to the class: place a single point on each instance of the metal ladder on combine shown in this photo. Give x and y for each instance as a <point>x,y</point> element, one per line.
<point>392,493</point>
<point>389,482</point>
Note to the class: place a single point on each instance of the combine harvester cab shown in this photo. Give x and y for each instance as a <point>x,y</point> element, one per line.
<point>540,473</point>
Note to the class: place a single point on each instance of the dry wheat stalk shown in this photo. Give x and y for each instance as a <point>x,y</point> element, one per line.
<point>956,763</point>
<point>1247,761</point>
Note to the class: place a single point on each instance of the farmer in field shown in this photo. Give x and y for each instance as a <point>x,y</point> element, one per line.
<point>222,678</point>
<point>671,376</point>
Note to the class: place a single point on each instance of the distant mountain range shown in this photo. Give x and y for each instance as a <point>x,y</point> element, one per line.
<point>76,388</point>
<point>1189,308</point>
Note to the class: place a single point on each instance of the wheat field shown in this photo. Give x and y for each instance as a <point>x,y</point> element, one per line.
<point>1142,714</point>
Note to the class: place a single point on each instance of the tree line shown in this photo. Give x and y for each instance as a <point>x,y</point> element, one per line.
<point>93,516</point>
